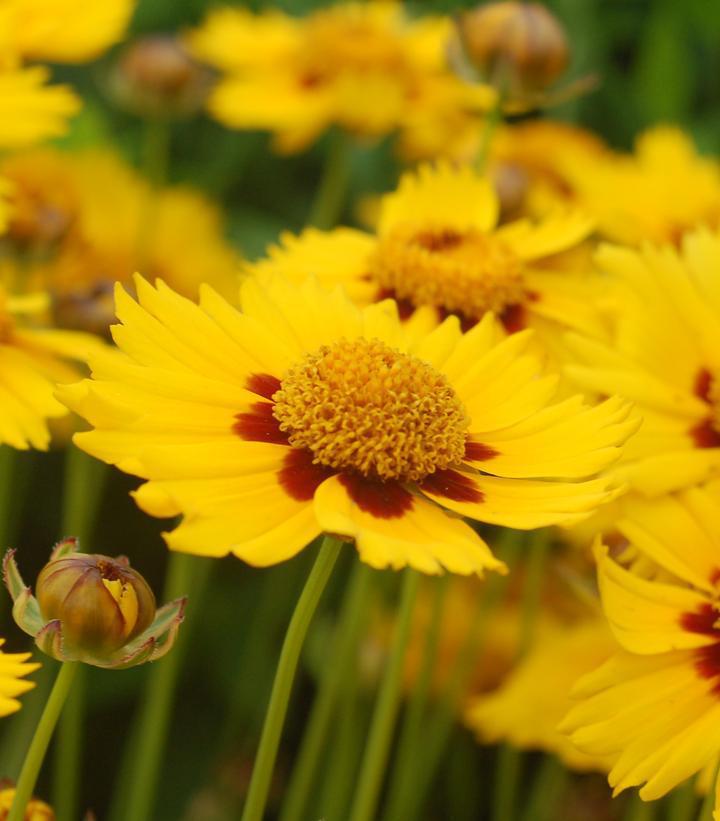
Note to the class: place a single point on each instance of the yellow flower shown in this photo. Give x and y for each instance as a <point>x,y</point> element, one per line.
<point>13,669</point>
<point>362,66</point>
<point>653,707</point>
<point>36,810</point>
<point>526,709</point>
<point>659,193</point>
<point>81,221</point>
<point>33,359</point>
<point>664,354</point>
<point>304,414</point>
<point>438,251</point>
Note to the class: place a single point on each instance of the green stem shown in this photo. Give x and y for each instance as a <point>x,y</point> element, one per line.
<point>708,804</point>
<point>682,803</point>
<point>639,810</point>
<point>439,727</point>
<point>333,678</point>
<point>329,198</point>
<point>289,655</point>
<point>547,791</point>
<point>490,126</point>
<point>134,799</point>
<point>41,739</point>
<point>386,707</point>
<point>509,764</point>
<point>83,484</point>
<point>403,774</point>
<point>156,150</point>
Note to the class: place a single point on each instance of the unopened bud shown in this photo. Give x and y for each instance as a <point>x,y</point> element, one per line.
<point>101,603</point>
<point>157,77</point>
<point>520,47</point>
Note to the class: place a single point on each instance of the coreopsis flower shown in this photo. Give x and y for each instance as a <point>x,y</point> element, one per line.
<point>653,707</point>
<point>80,221</point>
<point>93,609</point>
<point>48,30</point>
<point>34,357</point>
<point>13,669</point>
<point>362,66</point>
<point>659,193</point>
<point>528,705</point>
<point>662,354</point>
<point>439,251</point>
<point>305,414</point>
<point>36,809</point>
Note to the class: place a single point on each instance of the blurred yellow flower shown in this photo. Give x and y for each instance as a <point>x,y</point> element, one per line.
<point>305,414</point>
<point>81,221</point>
<point>663,354</point>
<point>36,810</point>
<point>653,708</point>
<point>363,66</point>
<point>659,193</point>
<point>13,669</point>
<point>33,359</point>
<point>438,251</point>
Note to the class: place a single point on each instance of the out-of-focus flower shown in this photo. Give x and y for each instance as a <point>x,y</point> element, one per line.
<point>93,609</point>
<point>57,31</point>
<point>81,221</point>
<point>653,708</point>
<point>519,47</point>
<point>34,357</point>
<point>36,809</point>
<point>438,251</point>
<point>526,709</point>
<point>156,76</point>
<point>362,66</point>
<point>661,192</point>
<point>267,427</point>
<point>664,355</point>
<point>13,669</point>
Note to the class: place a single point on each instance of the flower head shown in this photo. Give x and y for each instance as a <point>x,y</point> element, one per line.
<point>92,608</point>
<point>363,66</point>
<point>13,669</point>
<point>305,414</point>
<point>653,708</point>
<point>439,251</point>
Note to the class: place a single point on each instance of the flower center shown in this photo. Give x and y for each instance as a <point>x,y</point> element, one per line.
<point>360,405</point>
<point>467,273</point>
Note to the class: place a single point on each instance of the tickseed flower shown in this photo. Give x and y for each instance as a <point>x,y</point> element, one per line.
<point>662,191</point>
<point>362,66</point>
<point>526,708</point>
<point>653,708</point>
<point>663,355</point>
<point>93,609</point>
<point>58,31</point>
<point>305,414</point>
<point>80,221</point>
<point>33,359</point>
<point>438,251</point>
<point>13,669</point>
<point>36,809</point>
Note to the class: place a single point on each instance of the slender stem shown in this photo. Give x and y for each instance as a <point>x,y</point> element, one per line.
<point>156,150</point>
<point>682,803</point>
<point>329,198</point>
<point>708,804</point>
<point>403,774</point>
<point>438,728</point>
<point>386,707</point>
<point>279,697</point>
<point>41,739</point>
<point>83,484</point>
<point>333,678</point>
<point>548,786</point>
<point>509,764</point>
<point>134,798</point>
<point>490,126</point>
<point>639,810</point>
<point>8,462</point>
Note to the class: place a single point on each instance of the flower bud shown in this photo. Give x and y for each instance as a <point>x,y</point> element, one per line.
<point>157,77</point>
<point>101,603</point>
<point>519,46</point>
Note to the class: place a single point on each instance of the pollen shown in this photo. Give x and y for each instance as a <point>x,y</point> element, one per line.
<point>466,273</point>
<point>362,406</point>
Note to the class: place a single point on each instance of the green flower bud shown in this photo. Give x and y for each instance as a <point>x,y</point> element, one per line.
<point>101,603</point>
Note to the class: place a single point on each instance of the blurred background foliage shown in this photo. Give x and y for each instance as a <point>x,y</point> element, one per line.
<point>656,60</point>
